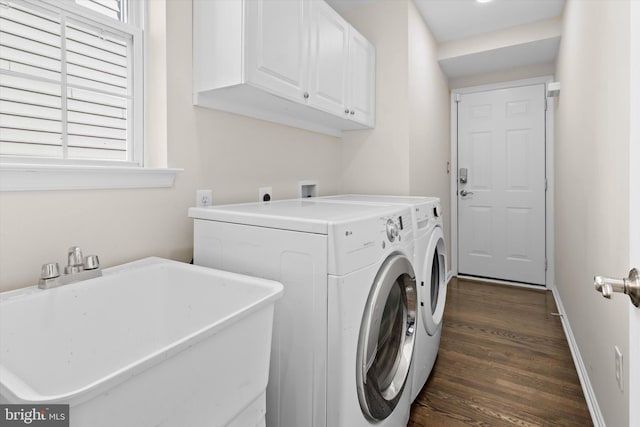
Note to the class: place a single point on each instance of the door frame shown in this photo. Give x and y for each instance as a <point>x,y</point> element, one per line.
<point>549,173</point>
<point>633,380</point>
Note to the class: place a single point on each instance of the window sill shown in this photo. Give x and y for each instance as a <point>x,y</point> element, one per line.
<point>23,177</point>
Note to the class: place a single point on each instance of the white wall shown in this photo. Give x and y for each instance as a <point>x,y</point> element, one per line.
<point>230,154</point>
<point>377,160</point>
<point>519,34</point>
<point>508,75</point>
<point>592,183</point>
<point>405,154</point>
<point>429,118</point>
<point>235,155</point>
<point>408,151</point>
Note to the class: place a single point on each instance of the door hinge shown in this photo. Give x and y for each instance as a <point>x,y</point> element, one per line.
<point>546,104</point>
<point>457,97</point>
<point>546,264</point>
<point>546,184</point>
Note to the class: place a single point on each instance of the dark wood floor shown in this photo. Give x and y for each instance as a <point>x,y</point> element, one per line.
<point>503,361</point>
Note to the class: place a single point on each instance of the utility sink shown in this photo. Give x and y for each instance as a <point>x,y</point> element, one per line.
<point>150,343</point>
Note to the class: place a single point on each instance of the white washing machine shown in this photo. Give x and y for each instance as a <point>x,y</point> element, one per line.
<point>431,272</point>
<point>344,331</point>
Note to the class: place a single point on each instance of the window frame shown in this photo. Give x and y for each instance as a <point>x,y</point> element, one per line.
<point>41,173</point>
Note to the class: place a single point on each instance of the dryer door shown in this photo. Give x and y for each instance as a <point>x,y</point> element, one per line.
<point>385,345</point>
<point>435,271</point>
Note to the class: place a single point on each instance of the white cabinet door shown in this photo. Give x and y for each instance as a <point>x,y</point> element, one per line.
<point>276,52</point>
<point>329,50</point>
<point>285,61</point>
<point>362,89</point>
<point>501,189</point>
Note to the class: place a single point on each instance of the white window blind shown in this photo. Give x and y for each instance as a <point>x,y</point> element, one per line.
<point>116,9</point>
<point>67,81</point>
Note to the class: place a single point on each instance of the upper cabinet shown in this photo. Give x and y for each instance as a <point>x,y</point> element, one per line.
<point>296,62</point>
<point>329,54</point>
<point>276,51</point>
<point>362,84</point>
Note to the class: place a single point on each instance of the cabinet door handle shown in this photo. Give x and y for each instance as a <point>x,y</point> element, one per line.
<point>352,112</point>
<point>306,95</point>
<point>346,111</point>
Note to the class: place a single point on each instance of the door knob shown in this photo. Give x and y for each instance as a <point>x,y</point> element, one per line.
<point>630,286</point>
<point>465,193</point>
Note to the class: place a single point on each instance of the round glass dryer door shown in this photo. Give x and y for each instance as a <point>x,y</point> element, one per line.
<point>435,270</point>
<point>385,345</point>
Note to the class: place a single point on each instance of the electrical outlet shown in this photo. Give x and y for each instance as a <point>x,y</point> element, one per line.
<point>619,368</point>
<point>265,194</point>
<point>204,198</point>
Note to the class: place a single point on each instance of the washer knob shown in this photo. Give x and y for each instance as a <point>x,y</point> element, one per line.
<point>392,230</point>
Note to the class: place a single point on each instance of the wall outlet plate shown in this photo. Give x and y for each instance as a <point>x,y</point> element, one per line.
<point>265,194</point>
<point>204,198</point>
<point>619,368</point>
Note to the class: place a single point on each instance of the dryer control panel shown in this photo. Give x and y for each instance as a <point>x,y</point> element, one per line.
<point>426,212</point>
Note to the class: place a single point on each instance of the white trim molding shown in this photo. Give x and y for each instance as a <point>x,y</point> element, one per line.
<point>583,375</point>
<point>38,177</point>
<point>501,282</point>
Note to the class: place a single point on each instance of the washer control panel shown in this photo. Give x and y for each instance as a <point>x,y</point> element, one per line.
<point>393,230</point>
<point>366,240</point>
<point>397,227</point>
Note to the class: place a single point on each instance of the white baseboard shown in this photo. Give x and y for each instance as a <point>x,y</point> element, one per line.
<point>501,282</point>
<point>587,389</point>
<point>449,276</point>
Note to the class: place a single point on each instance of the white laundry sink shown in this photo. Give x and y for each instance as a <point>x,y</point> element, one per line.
<point>150,343</point>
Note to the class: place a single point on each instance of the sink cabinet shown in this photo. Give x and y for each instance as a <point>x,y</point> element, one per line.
<point>296,62</point>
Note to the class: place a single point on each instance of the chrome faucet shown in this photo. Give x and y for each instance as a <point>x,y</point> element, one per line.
<point>78,268</point>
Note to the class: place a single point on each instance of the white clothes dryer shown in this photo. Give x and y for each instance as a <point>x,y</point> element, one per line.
<point>430,261</point>
<point>344,330</point>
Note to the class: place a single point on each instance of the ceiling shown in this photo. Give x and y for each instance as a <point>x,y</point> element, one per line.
<point>451,20</point>
<point>458,19</point>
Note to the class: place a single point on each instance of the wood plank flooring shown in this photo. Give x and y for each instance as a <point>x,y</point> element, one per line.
<point>503,361</point>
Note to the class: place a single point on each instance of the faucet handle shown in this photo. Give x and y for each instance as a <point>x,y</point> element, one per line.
<point>75,260</point>
<point>91,262</point>
<point>50,271</point>
<point>75,256</point>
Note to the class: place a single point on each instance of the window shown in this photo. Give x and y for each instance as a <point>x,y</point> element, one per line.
<point>70,82</point>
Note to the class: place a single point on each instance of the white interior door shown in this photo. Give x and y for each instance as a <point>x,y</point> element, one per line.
<point>501,184</point>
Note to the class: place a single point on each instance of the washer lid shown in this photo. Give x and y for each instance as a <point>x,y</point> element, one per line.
<point>297,215</point>
<point>422,208</point>
<point>383,199</point>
